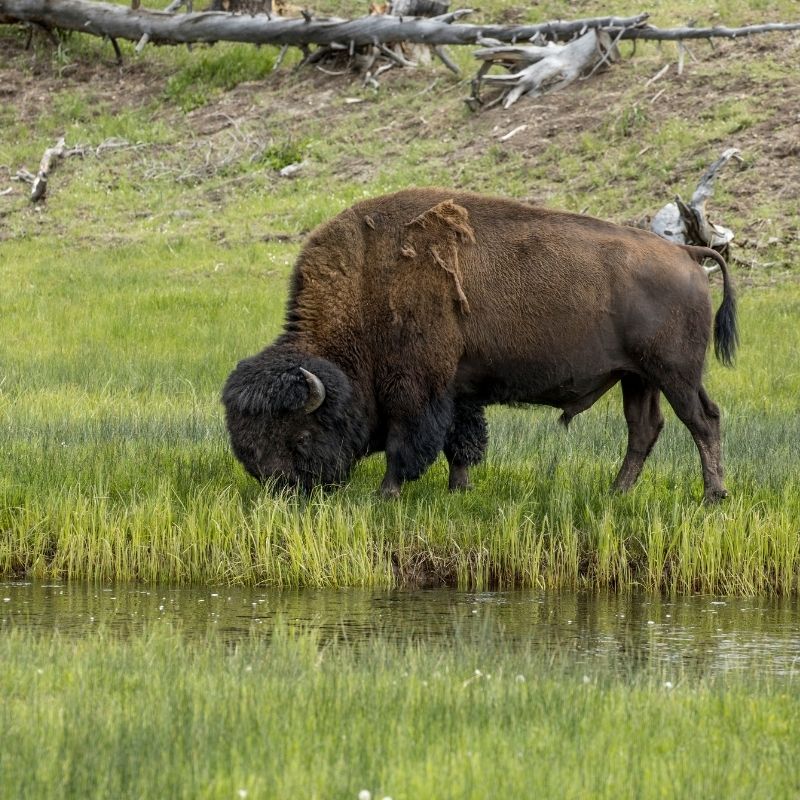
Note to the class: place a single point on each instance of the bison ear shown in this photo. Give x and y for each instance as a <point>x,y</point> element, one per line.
<point>254,389</point>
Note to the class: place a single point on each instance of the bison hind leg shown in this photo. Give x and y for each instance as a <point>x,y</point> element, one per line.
<point>701,416</point>
<point>466,441</point>
<point>641,401</point>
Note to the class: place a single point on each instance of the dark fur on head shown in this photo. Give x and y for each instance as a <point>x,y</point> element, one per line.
<point>271,432</point>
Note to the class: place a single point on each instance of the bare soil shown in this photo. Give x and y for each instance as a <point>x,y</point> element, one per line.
<point>769,179</point>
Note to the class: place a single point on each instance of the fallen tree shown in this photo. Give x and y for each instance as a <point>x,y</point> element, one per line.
<point>555,54</point>
<point>121,22</point>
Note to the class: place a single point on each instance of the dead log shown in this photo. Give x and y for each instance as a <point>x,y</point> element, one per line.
<point>242,6</point>
<point>121,22</point>
<point>408,54</point>
<point>170,9</point>
<point>418,8</point>
<point>549,68</point>
<point>59,151</point>
<point>688,223</point>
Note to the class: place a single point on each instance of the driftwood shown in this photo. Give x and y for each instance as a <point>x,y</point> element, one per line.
<point>688,223</point>
<point>536,69</point>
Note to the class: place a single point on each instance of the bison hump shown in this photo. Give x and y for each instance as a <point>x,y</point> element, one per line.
<point>434,240</point>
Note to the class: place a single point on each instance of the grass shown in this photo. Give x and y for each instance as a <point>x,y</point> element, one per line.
<point>115,465</point>
<point>288,717</point>
<point>212,71</point>
<point>129,296</point>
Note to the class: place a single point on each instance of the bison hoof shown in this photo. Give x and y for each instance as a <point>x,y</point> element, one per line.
<point>459,479</point>
<point>390,490</point>
<point>715,495</point>
<point>464,485</point>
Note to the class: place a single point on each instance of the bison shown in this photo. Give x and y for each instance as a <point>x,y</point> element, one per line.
<point>409,313</point>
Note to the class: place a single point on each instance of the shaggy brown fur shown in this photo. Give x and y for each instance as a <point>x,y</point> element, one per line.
<point>434,303</point>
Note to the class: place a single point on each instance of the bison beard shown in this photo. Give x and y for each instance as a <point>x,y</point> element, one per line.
<point>410,313</point>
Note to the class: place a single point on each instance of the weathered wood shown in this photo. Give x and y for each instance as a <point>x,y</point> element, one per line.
<point>170,9</point>
<point>718,31</point>
<point>550,67</point>
<point>419,8</point>
<point>411,54</point>
<point>554,67</point>
<point>60,151</point>
<point>688,223</point>
<point>121,22</point>
<point>241,6</point>
<point>51,155</point>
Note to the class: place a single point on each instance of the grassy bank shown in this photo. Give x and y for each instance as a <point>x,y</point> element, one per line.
<point>155,264</point>
<point>156,717</point>
<point>115,465</point>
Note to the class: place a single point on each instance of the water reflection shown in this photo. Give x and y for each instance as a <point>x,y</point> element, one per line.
<point>701,634</point>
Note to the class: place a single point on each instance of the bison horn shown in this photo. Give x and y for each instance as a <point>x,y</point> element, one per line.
<point>316,392</point>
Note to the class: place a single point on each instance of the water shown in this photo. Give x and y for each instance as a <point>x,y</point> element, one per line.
<point>700,634</point>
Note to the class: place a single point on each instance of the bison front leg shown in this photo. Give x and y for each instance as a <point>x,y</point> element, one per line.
<point>466,442</point>
<point>413,443</point>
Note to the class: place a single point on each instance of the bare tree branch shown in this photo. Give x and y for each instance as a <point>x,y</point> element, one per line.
<point>51,155</point>
<point>719,31</point>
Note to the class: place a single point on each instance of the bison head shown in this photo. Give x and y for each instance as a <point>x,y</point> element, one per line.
<point>293,418</point>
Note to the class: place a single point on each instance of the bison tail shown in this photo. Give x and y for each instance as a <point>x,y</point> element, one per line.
<point>726,331</point>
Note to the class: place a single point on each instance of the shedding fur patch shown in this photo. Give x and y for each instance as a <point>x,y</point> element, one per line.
<point>453,269</point>
<point>449,225</point>
<point>447,213</point>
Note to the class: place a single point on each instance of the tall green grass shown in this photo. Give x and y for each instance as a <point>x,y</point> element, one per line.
<point>154,716</point>
<point>114,463</point>
<point>129,295</point>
